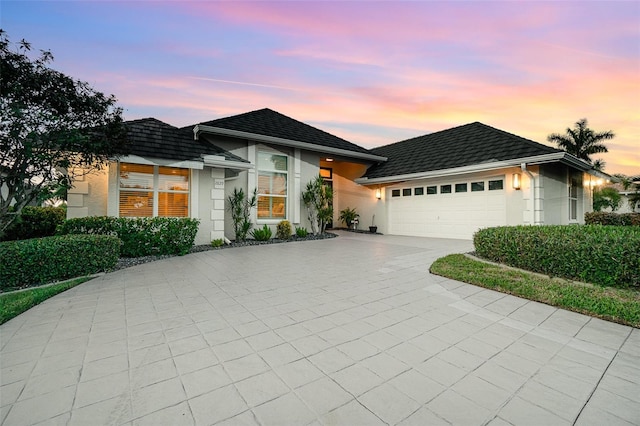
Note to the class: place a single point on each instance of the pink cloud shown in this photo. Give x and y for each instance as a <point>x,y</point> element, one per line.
<point>424,66</point>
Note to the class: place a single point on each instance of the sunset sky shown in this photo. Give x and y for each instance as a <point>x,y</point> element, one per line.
<point>370,72</point>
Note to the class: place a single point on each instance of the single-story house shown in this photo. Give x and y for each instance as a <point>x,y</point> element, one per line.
<point>446,184</point>
<point>625,194</point>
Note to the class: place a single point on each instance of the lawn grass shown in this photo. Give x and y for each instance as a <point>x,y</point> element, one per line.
<point>13,304</point>
<point>612,304</point>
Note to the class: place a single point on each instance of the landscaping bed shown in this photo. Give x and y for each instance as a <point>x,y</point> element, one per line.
<point>126,262</point>
<point>612,304</point>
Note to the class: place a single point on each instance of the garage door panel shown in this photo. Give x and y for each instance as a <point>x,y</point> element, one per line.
<point>456,215</point>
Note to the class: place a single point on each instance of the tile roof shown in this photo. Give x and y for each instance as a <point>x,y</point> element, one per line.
<point>271,123</point>
<point>152,138</point>
<point>466,145</point>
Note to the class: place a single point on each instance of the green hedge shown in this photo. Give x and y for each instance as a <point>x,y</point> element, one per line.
<point>607,255</point>
<point>142,236</point>
<point>620,219</point>
<point>35,222</point>
<point>43,260</point>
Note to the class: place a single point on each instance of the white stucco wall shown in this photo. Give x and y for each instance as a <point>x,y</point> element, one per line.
<point>367,204</point>
<point>97,195</point>
<point>348,194</point>
<point>207,203</point>
<point>88,197</point>
<point>309,170</point>
<point>555,179</point>
<point>302,167</point>
<point>455,215</point>
<point>624,205</point>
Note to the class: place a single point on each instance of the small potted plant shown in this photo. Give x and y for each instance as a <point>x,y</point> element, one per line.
<point>373,228</point>
<point>349,216</point>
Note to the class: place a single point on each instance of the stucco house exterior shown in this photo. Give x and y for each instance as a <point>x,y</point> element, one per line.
<point>446,184</point>
<point>625,204</point>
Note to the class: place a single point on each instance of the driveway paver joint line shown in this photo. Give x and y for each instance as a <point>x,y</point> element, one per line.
<point>263,335</point>
<point>599,380</point>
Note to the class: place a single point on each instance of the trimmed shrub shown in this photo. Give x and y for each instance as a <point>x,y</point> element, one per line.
<point>301,232</point>
<point>43,260</point>
<point>283,231</point>
<point>262,234</point>
<point>35,222</point>
<point>143,236</point>
<point>618,219</point>
<point>607,255</point>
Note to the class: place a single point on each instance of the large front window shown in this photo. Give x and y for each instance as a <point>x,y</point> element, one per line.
<point>272,186</point>
<point>149,191</point>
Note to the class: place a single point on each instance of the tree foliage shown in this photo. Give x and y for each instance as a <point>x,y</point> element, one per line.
<point>239,205</point>
<point>582,141</point>
<point>53,129</point>
<point>607,197</point>
<point>318,197</point>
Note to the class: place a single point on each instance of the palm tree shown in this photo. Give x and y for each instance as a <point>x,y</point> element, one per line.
<point>599,164</point>
<point>581,141</point>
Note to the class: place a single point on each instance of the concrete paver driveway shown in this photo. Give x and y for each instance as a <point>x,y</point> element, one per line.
<point>348,331</point>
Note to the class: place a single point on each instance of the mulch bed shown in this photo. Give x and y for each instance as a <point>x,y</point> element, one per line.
<point>126,262</point>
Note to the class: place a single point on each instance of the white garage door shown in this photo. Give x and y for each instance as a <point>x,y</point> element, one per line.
<point>451,210</point>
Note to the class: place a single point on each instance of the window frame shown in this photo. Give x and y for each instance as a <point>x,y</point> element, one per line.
<point>477,186</point>
<point>573,196</point>
<point>271,218</point>
<point>154,189</point>
<point>461,188</point>
<point>501,180</point>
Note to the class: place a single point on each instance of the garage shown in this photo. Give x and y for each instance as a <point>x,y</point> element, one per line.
<point>446,209</point>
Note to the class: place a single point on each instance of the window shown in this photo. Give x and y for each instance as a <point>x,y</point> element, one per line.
<point>326,173</point>
<point>432,190</point>
<point>406,192</point>
<point>272,185</point>
<point>461,187</point>
<point>445,189</point>
<point>477,186</point>
<point>395,192</point>
<point>418,191</point>
<point>573,199</point>
<point>149,191</point>
<point>495,185</point>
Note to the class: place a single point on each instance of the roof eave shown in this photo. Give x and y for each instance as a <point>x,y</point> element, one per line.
<point>185,164</point>
<point>199,128</point>
<point>516,162</point>
<point>584,166</point>
<point>219,161</point>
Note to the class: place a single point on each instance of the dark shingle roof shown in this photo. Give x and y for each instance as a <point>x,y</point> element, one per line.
<point>461,146</point>
<point>271,123</point>
<point>152,138</point>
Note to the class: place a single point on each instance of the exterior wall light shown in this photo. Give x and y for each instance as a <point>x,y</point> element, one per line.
<point>378,193</point>
<point>517,181</point>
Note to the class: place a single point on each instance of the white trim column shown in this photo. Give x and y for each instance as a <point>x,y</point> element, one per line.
<point>217,198</point>
<point>295,195</point>
<point>251,176</point>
